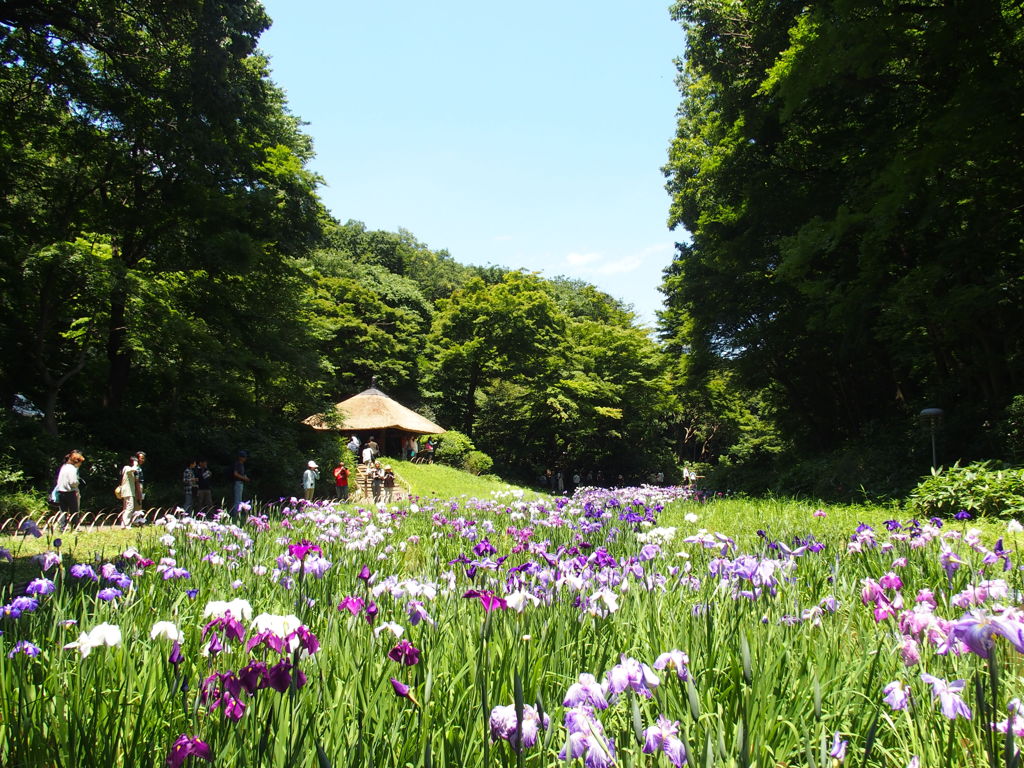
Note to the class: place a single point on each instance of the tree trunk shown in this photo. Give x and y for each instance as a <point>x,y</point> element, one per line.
<point>117,354</point>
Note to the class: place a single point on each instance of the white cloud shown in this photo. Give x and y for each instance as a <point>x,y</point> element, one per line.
<point>619,266</point>
<point>582,259</point>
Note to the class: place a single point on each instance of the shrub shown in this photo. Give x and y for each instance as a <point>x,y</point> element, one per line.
<point>453,449</point>
<point>983,488</point>
<point>478,463</point>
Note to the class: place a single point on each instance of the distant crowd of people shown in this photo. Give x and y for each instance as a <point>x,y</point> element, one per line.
<point>198,480</point>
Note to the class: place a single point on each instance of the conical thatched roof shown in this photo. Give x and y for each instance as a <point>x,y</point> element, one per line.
<point>372,410</point>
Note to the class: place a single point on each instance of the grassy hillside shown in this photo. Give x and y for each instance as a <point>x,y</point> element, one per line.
<point>439,481</point>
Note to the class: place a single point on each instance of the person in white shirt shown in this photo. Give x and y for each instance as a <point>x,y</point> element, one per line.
<point>67,490</point>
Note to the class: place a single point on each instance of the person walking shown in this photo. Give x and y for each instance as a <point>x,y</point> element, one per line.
<point>341,474</point>
<point>368,456</point>
<point>239,476</point>
<point>309,478</point>
<point>189,482</point>
<point>204,486</point>
<point>376,480</point>
<point>132,494</point>
<point>353,447</point>
<point>389,484</point>
<point>67,489</point>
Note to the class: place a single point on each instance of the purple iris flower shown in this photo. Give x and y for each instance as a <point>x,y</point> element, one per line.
<point>30,527</point>
<point>976,630</point>
<point>418,612</point>
<point>664,736</point>
<point>279,676</point>
<point>110,593</point>
<point>896,695</point>
<point>503,725</point>
<point>20,605</point>
<point>587,739</point>
<point>24,646</point>
<point>963,514</point>
<point>630,673</point>
<point>83,571</point>
<point>176,657</point>
<point>405,653</point>
<point>253,676</point>
<point>191,593</point>
<point>484,547</point>
<point>176,573</point>
<point>371,612</point>
<point>676,660</point>
<point>402,690</point>
<point>365,575</point>
<point>948,694</point>
<point>310,643</point>
<point>41,586</point>
<point>188,746</point>
<point>838,751</point>
<point>586,690</point>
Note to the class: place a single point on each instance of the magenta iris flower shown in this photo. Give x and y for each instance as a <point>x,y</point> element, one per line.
<point>405,653</point>
<point>488,600</point>
<point>365,575</point>
<point>188,746</point>
<point>352,604</point>
<point>302,548</point>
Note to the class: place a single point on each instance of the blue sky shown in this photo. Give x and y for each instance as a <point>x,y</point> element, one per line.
<point>527,135</point>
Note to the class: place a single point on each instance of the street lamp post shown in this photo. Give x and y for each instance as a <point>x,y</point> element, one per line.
<point>932,416</point>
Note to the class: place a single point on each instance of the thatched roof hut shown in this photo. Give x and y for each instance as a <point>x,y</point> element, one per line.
<point>372,410</point>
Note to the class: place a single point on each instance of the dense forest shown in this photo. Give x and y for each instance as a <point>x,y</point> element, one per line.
<point>844,178</point>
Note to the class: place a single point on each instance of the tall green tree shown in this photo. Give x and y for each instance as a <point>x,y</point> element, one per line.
<point>181,151</point>
<point>856,239</point>
<point>485,331</point>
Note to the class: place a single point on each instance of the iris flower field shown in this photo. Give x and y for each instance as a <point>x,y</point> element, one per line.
<point>631,627</point>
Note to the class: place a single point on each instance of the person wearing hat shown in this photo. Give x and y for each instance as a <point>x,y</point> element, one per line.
<point>309,478</point>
